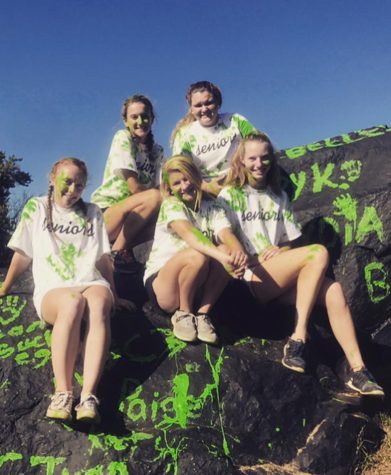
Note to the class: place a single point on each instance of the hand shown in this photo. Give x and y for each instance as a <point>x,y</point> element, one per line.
<point>269,252</point>
<point>240,258</point>
<point>124,304</point>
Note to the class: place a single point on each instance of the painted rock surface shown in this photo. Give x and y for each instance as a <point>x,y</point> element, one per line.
<point>169,407</point>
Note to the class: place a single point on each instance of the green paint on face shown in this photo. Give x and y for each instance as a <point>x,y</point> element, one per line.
<point>201,237</point>
<point>60,181</point>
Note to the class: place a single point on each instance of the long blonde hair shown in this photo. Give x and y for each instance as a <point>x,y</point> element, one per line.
<point>237,174</point>
<point>199,86</point>
<point>185,165</point>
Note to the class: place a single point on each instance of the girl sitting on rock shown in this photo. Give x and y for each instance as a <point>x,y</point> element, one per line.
<point>208,136</point>
<point>127,195</point>
<point>65,240</point>
<point>193,252</point>
<point>262,219</point>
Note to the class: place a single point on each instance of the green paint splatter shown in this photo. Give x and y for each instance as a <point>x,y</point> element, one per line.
<point>201,237</point>
<point>50,462</point>
<point>10,457</point>
<point>237,198</point>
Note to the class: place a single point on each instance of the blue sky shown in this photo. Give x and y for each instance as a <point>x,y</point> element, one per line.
<point>302,70</point>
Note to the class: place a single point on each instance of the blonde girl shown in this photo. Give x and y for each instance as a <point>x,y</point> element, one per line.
<point>193,252</point>
<point>207,135</point>
<point>128,195</point>
<point>65,240</point>
<point>264,222</point>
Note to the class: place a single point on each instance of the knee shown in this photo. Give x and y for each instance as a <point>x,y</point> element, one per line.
<point>196,259</point>
<point>319,255</point>
<point>153,198</point>
<point>335,295</point>
<point>73,306</point>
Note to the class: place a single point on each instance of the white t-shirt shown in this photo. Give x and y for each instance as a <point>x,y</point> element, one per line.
<point>124,155</point>
<point>259,218</point>
<point>67,257</point>
<point>212,148</point>
<point>210,219</point>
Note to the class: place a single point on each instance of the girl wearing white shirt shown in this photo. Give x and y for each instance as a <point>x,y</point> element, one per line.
<point>264,223</point>
<point>193,252</point>
<point>66,241</point>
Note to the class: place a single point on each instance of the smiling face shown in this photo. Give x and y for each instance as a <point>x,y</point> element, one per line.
<point>69,182</point>
<point>204,108</point>
<point>257,161</point>
<point>138,120</point>
<point>181,187</point>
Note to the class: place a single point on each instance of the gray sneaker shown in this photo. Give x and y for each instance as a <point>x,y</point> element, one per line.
<point>61,406</point>
<point>205,330</point>
<point>184,327</point>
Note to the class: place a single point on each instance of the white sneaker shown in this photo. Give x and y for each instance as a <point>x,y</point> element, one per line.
<point>87,409</point>
<point>184,327</point>
<point>61,406</point>
<point>205,330</point>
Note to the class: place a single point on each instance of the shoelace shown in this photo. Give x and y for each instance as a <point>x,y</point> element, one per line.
<point>61,399</point>
<point>90,402</point>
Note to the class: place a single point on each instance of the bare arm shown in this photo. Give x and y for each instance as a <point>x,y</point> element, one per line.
<point>214,186</point>
<point>195,239</point>
<point>236,251</point>
<point>19,264</point>
<point>133,182</point>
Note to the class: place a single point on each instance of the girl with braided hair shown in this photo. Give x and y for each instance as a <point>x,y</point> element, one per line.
<point>66,241</point>
<point>127,195</point>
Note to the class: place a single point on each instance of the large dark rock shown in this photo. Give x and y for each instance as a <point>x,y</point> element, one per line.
<point>174,408</point>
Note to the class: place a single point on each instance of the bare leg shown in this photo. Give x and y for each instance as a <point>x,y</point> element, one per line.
<point>179,279</point>
<point>305,267</point>
<point>214,285</point>
<point>97,338</point>
<point>125,220</point>
<point>332,297</point>
<point>64,309</point>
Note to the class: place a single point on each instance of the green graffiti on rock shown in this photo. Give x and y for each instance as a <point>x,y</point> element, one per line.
<point>376,278</point>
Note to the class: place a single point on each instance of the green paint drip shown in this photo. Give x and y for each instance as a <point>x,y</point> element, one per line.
<point>181,407</point>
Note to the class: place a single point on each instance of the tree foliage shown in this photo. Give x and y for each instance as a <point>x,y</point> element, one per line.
<point>11,175</point>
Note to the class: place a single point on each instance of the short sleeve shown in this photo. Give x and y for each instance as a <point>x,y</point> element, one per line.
<point>219,219</point>
<point>291,228</point>
<point>172,210</point>
<point>122,155</point>
<point>21,238</point>
<point>244,126</point>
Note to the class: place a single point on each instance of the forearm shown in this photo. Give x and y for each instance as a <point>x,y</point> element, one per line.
<point>19,264</point>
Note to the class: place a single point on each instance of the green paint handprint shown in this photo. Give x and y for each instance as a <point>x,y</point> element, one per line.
<point>65,264</point>
<point>237,199</point>
<point>346,206</point>
<point>10,308</point>
<point>352,169</point>
<point>29,209</point>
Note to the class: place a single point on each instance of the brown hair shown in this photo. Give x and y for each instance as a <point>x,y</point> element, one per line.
<point>199,86</point>
<point>185,165</point>
<point>237,174</point>
<point>148,104</point>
